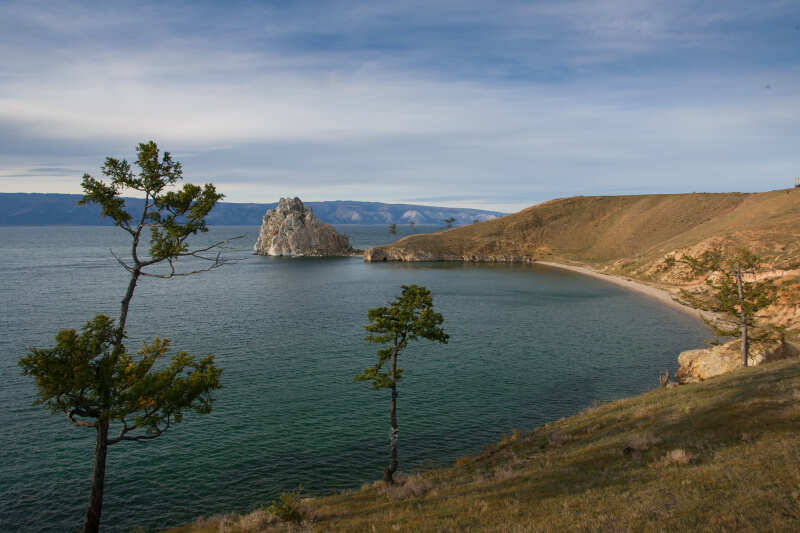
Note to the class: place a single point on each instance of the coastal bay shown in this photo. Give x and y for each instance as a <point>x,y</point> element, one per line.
<point>529,345</point>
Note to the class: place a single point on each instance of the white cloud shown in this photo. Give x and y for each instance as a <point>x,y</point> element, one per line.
<point>354,123</point>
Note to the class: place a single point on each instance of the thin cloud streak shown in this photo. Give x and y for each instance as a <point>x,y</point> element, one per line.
<point>408,100</point>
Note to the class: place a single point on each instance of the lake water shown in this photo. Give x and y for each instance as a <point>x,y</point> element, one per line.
<point>528,344</point>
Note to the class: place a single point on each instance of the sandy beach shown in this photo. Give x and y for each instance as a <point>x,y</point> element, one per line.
<point>661,295</point>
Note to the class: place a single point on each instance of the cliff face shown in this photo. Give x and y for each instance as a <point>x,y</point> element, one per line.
<point>291,229</point>
<point>399,253</point>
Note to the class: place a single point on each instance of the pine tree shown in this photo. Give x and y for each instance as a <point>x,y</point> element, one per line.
<point>408,318</point>
<point>90,376</point>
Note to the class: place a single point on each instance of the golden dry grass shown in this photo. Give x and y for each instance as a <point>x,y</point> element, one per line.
<point>605,229</point>
<point>718,456</point>
<point>633,237</point>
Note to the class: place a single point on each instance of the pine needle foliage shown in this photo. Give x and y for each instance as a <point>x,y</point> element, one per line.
<point>90,376</point>
<point>731,293</point>
<point>408,318</point>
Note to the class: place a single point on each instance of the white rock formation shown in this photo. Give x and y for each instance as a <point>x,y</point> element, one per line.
<point>291,229</point>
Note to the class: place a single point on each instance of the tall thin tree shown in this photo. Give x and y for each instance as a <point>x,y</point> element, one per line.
<point>90,376</point>
<point>408,318</point>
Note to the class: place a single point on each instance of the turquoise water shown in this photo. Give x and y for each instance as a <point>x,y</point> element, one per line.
<point>528,344</point>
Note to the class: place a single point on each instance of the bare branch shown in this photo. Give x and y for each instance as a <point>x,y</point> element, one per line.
<point>120,261</point>
<point>174,274</point>
<point>216,261</point>
<point>127,227</point>
<point>79,423</point>
<point>139,438</point>
<point>211,247</point>
<point>194,253</point>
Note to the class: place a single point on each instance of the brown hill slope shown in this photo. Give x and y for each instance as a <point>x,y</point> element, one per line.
<point>601,229</point>
<point>632,236</point>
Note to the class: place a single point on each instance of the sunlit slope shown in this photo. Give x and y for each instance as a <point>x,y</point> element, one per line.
<point>605,229</point>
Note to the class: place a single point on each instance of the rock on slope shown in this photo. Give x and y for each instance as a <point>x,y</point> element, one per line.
<point>291,229</point>
<point>699,365</point>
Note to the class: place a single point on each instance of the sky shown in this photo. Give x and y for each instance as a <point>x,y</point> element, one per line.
<point>492,105</point>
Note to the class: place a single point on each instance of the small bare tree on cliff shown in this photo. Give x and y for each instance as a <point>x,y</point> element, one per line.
<point>407,318</point>
<point>90,376</point>
<point>731,294</point>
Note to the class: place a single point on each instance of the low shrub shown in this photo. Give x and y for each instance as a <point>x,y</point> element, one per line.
<point>287,507</point>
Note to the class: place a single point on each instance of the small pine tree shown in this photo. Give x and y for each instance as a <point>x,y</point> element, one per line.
<point>407,318</point>
<point>731,293</point>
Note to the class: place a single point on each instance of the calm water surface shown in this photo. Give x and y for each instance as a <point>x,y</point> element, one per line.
<point>527,345</point>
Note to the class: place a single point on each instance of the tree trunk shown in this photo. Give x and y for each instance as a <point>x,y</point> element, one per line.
<point>392,468</point>
<point>91,522</point>
<point>125,304</point>
<point>744,344</point>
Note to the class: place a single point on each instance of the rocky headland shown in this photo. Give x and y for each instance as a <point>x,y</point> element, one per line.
<point>291,229</point>
<point>637,242</point>
<point>639,239</point>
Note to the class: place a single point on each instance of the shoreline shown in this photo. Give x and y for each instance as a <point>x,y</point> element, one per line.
<point>661,295</point>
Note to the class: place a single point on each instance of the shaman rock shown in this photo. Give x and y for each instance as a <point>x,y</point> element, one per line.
<point>291,229</point>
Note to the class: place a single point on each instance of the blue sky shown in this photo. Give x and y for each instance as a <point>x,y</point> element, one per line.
<point>495,105</point>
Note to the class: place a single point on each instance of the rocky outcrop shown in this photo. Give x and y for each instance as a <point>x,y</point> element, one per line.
<point>291,229</point>
<point>399,253</point>
<point>699,365</point>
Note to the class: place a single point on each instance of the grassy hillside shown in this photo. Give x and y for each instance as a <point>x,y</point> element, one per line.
<point>717,456</point>
<point>602,229</point>
<point>633,236</point>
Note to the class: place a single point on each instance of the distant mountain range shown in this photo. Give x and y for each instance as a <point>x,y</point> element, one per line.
<point>26,209</point>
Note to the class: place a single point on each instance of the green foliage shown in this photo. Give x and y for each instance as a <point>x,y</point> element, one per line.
<point>702,264</point>
<point>726,270</point>
<point>449,221</point>
<point>89,377</point>
<point>407,318</point>
<point>692,300</point>
<point>719,260</point>
<point>287,507</point>
<point>667,264</point>
<point>756,295</point>
<point>171,215</point>
<point>720,332</point>
<point>393,229</point>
